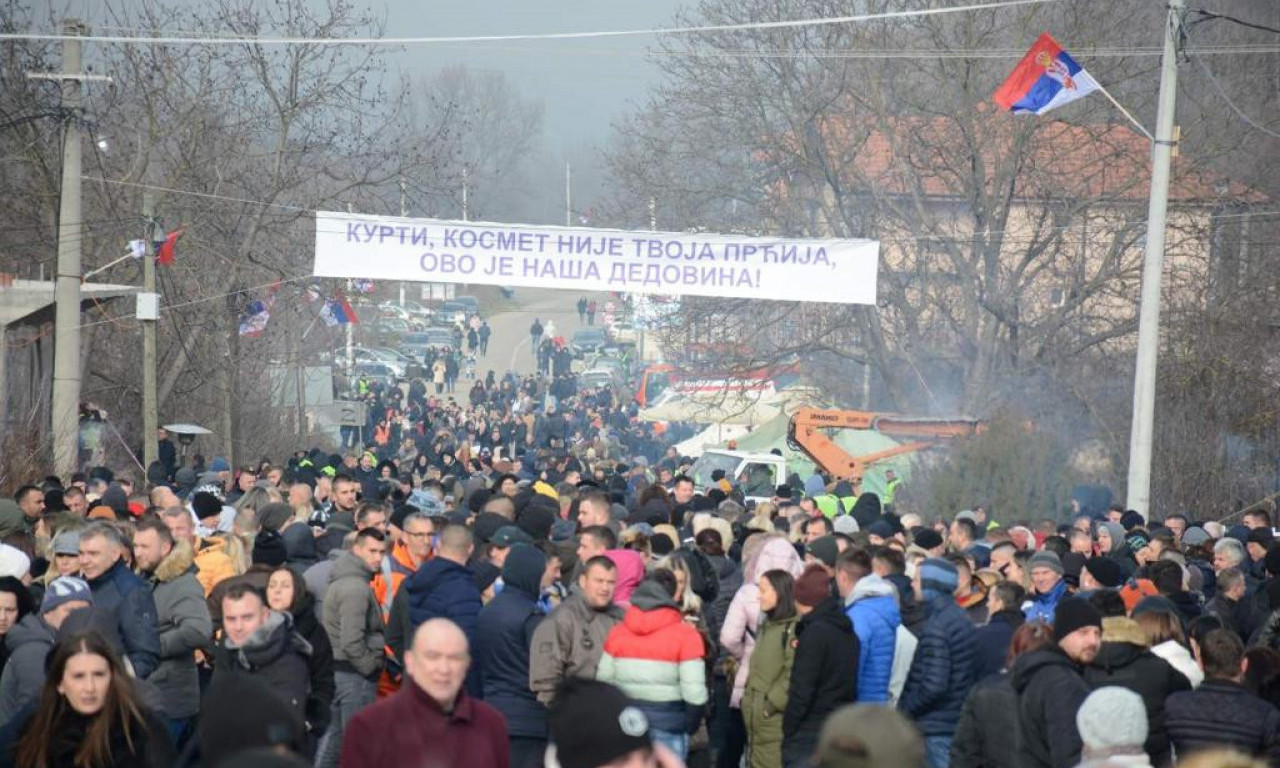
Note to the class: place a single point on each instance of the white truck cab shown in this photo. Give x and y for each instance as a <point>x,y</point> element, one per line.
<point>757,474</point>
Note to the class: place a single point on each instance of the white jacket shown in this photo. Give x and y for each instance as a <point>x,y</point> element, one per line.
<point>1180,659</point>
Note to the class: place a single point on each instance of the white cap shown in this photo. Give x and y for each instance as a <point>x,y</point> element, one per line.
<point>13,562</point>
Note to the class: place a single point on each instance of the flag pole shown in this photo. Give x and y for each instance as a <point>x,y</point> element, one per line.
<point>1142,435</point>
<point>1125,112</point>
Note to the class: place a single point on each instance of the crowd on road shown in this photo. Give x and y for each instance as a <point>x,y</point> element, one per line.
<point>531,578</point>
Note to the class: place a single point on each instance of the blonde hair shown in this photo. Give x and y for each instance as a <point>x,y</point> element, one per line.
<point>1220,758</point>
<point>690,603</point>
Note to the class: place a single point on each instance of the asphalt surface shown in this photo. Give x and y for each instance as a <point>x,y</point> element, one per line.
<point>509,347</point>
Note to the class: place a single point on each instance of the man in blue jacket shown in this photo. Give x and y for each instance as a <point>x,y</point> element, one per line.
<point>942,669</point>
<point>504,634</point>
<point>443,588</point>
<point>120,595</point>
<point>871,603</point>
<point>1046,579</point>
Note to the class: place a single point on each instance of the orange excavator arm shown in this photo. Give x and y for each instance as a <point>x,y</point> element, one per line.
<point>807,432</point>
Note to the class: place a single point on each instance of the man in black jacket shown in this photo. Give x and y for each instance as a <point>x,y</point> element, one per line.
<point>991,643</point>
<point>824,675</point>
<point>1050,686</point>
<point>1221,713</point>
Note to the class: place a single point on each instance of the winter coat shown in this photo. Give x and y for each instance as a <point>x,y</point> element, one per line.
<point>213,562</point>
<point>277,655</point>
<point>299,546</point>
<point>184,626</point>
<point>986,736</point>
<point>441,588</point>
<point>353,619</point>
<point>1180,658</point>
<point>29,643</point>
<point>765,697</point>
<point>738,634</point>
<point>729,576</point>
<point>1125,661</point>
<point>942,670</point>
<point>824,676</point>
<point>991,643</point>
<point>504,637</point>
<point>873,609</point>
<point>1221,713</point>
<point>1050,689</point>
<point>404,729</point>
<point>911,609</point>
<point>1240,616</point>
<point>568,644</point>
<point>1041,607</point>
<point>121,594</point>
<point>151,745</point>
<point>657,658</point>
<point>319,664</point>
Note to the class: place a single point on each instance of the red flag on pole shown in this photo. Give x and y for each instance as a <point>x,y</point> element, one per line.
<point>164,254</point>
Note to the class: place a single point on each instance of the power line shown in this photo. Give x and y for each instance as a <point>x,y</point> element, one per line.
<point>395,41</point>
<point>1211,16</point>
<point>1217,86</point>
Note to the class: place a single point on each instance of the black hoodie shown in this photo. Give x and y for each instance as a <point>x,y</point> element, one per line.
<point>1050,690</point>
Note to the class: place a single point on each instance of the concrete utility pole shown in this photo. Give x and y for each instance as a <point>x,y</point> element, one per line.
<point>66,359</point>
<point>403,208</point>
<point>568,196</point>
<point>150,408</point>
<point>1144,380</point>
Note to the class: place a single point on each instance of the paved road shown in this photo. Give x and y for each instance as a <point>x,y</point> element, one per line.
<point>509,344</point>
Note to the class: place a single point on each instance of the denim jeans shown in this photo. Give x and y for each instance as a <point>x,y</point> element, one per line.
<point>676,742</point>
<point>351,693</point>
<point>937,750</point>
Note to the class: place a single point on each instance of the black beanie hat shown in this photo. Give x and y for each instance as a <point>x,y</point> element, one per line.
<point>1074,613</point>
<point>593,724</point>
<point>927,538</point>
<point>1106,571</point>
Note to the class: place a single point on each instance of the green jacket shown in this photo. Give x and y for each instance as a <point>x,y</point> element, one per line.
<point>765,698</point>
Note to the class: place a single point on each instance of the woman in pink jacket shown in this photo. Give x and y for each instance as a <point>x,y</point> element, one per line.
<point>760,553</point>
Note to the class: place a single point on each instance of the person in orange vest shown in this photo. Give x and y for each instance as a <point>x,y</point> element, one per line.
<point>412,548</point>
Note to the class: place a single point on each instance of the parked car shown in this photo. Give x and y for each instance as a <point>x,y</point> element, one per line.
<point>470,303</point>
<point>598,378</point>
<point>586,341</point>
<point>381,373</point>
<point>418,343</point>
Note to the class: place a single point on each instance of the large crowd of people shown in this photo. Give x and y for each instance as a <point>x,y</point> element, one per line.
<point>529,577</point>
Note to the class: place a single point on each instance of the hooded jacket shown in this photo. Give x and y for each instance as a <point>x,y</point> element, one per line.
<point>1120,548</point>
<point>1050,688</point>
<point>630,574</point>
<point>121,594</point>
<point>29,643</point>
<point>986,735</point>
<point>657,658</point>
<point>184,625</point>
<point>569,643</point>
<point>942,669</point>
<point>504,634</point>
<point>872,606</point>
<point>213,562</point>
<point>353,619</point>
<point>824,676</point>
<point>766,695</point>
<point>441,588</point>
<point>738,634</point>
<point>279,657</point>
<point>1125,661</point>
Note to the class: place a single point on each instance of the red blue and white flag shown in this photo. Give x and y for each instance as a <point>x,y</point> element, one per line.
<point>255,318</point>
<point>1046,77</point>
<point>338,311</point>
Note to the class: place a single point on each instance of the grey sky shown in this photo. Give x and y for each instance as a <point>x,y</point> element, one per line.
<point>584,84</point>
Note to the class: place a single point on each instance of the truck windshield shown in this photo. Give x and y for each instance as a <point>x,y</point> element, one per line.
<point>710,462</point>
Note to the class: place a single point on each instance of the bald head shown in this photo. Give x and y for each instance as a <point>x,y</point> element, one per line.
<point>437,661</point>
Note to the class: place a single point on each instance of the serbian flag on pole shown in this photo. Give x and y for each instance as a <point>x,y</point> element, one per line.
<point>164,251</point>
<point>255,318</point>
<point>338,311</point>
<point>1047,77</point>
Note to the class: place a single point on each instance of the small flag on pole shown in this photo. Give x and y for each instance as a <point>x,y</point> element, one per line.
<point>137,248</point>
<point>1046,77</point>
<point>164,251</point>
<point>338,311</point>
<point>255,318</point>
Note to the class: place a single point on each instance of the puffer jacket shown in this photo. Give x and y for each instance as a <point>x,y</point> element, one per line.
<point>1041,607</point>
<point>765,698</point>
<point>991,642</point>
<point>441,588</point>
<point>184,626</point>
<point>1050,688</point>
<point>29,643</point>
<point>942,669</point>
<point>214,563</point>
<point>1221,713</point>
<point>824,677</point>
<point>657,658</point>
<point>504,633</point>
<point>873,609</point>
<point>121,594</point>
<point>738,635</point>
<point>353,619</point>
<point>569,643</point>
<point>1125,661</point>
<point>986,736</point>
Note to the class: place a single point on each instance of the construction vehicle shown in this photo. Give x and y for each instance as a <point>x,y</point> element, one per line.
<point>807,433</point>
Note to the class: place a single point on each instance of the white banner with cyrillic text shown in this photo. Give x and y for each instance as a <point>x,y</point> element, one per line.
<point>394,248</point>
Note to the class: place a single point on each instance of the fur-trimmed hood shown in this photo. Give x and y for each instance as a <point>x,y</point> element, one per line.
<point>1121,629</point>
<point>179,560</point>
